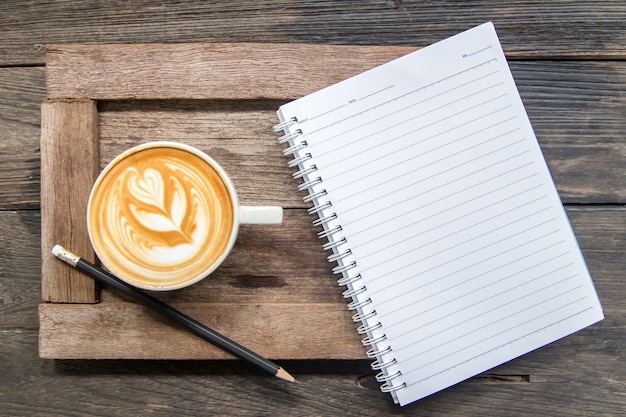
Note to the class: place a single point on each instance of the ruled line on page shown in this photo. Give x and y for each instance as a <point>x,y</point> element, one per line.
<point>460,230</point>
<point>466,294</point>
<point>412,370</point>
<point>432,227</point>
<point>414,262</point>
<point>485,274</point>
<point>516,340</point>
<point>448,156</point>
<point>363,163</point>
<point>412,210</point>
<point>499,334</point>
<point>456,336</point>
<point>409,121</point>
<point>490,257</point>
<point>411,197</point>
<point>414,249</point>
<point>486,48</point>
<point>394,111</point>
<point>349,101</point>
<point>395,98</point>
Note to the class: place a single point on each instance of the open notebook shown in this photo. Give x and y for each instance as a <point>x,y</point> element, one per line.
<point>441,214</point>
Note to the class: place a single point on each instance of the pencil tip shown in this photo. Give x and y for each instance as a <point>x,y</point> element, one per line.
<point>282,374</point>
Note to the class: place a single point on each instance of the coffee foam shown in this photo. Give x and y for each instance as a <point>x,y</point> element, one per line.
<point>160,217</point>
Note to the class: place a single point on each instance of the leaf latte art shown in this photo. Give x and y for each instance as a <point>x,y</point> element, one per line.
<point>161,216</point>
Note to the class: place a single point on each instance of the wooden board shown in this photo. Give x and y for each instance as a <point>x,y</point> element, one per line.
<point>277,284</point>
<point>69,158</point>
<point>551,29</point>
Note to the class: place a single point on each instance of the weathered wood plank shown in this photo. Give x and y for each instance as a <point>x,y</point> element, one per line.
<point>575,102</point>
<point>20,269</point>
<point>326,387</point>
<point>69,155</point>
<point>129,331</point>
<point>527,28</point>
<point>21,92</point>
<point>241,71</point>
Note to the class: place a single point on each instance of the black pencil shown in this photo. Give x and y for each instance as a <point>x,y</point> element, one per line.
<point>157,305</point>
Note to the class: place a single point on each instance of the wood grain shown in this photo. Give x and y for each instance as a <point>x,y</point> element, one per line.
<point>69,155</point>
<point>129,331</point>
<point>242,71</point>
<point>529,28</point>
<point>327,388</point>
<point>20,269</point>
<point>21,92</point>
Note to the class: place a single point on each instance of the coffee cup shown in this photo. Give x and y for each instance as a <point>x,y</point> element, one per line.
<point>164,215</point>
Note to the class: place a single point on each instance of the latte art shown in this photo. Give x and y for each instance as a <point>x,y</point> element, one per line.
<point>162,215</point>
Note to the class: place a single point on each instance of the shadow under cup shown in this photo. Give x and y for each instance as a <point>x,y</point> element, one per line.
<point>162,216</point>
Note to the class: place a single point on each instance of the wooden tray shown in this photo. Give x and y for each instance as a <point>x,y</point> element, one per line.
<point>275,293</point>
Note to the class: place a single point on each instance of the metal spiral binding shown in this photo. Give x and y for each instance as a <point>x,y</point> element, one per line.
<point>377,365</point>
<point>296,161</point>
<point>387,387</point>
<point>354,291</point>
<point>295,148</point>
<point>369,341</point>
<point>355,305</point>
<point>334,243</point>
<point>324,220</point>
<point>338,243</point>
<point>319,207</point>
<point>282,125</point>
<point>345,280</point>
<point>363,329</point>
<point>373,353</point>
<point>303,172</point>
<point>361,317</point>
<point>289,136</point>
<point>305,185</point>
<point>314,196</point>
<point>341,255</point>
<point>343,268</point>
<point>382,377</point>
<point>329,232</point>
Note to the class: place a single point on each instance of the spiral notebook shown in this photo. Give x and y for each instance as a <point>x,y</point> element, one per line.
<point>440,214</point>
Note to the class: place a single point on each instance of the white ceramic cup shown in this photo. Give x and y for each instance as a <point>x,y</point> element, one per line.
<point>164,215</point>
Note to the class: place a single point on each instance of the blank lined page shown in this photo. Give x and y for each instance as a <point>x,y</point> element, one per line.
<point>448,210</point>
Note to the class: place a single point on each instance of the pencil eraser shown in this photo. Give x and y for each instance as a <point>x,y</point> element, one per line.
<point>56,250</point>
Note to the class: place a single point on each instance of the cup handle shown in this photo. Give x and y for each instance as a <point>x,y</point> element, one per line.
<point>260,215</point>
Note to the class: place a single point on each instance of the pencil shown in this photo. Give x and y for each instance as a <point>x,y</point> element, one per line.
<point>160,307</point>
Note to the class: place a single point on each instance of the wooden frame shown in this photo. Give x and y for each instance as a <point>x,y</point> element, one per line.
<point>221,98</point>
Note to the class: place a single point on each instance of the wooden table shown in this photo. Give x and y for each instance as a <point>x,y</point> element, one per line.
<point>567,59</point>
